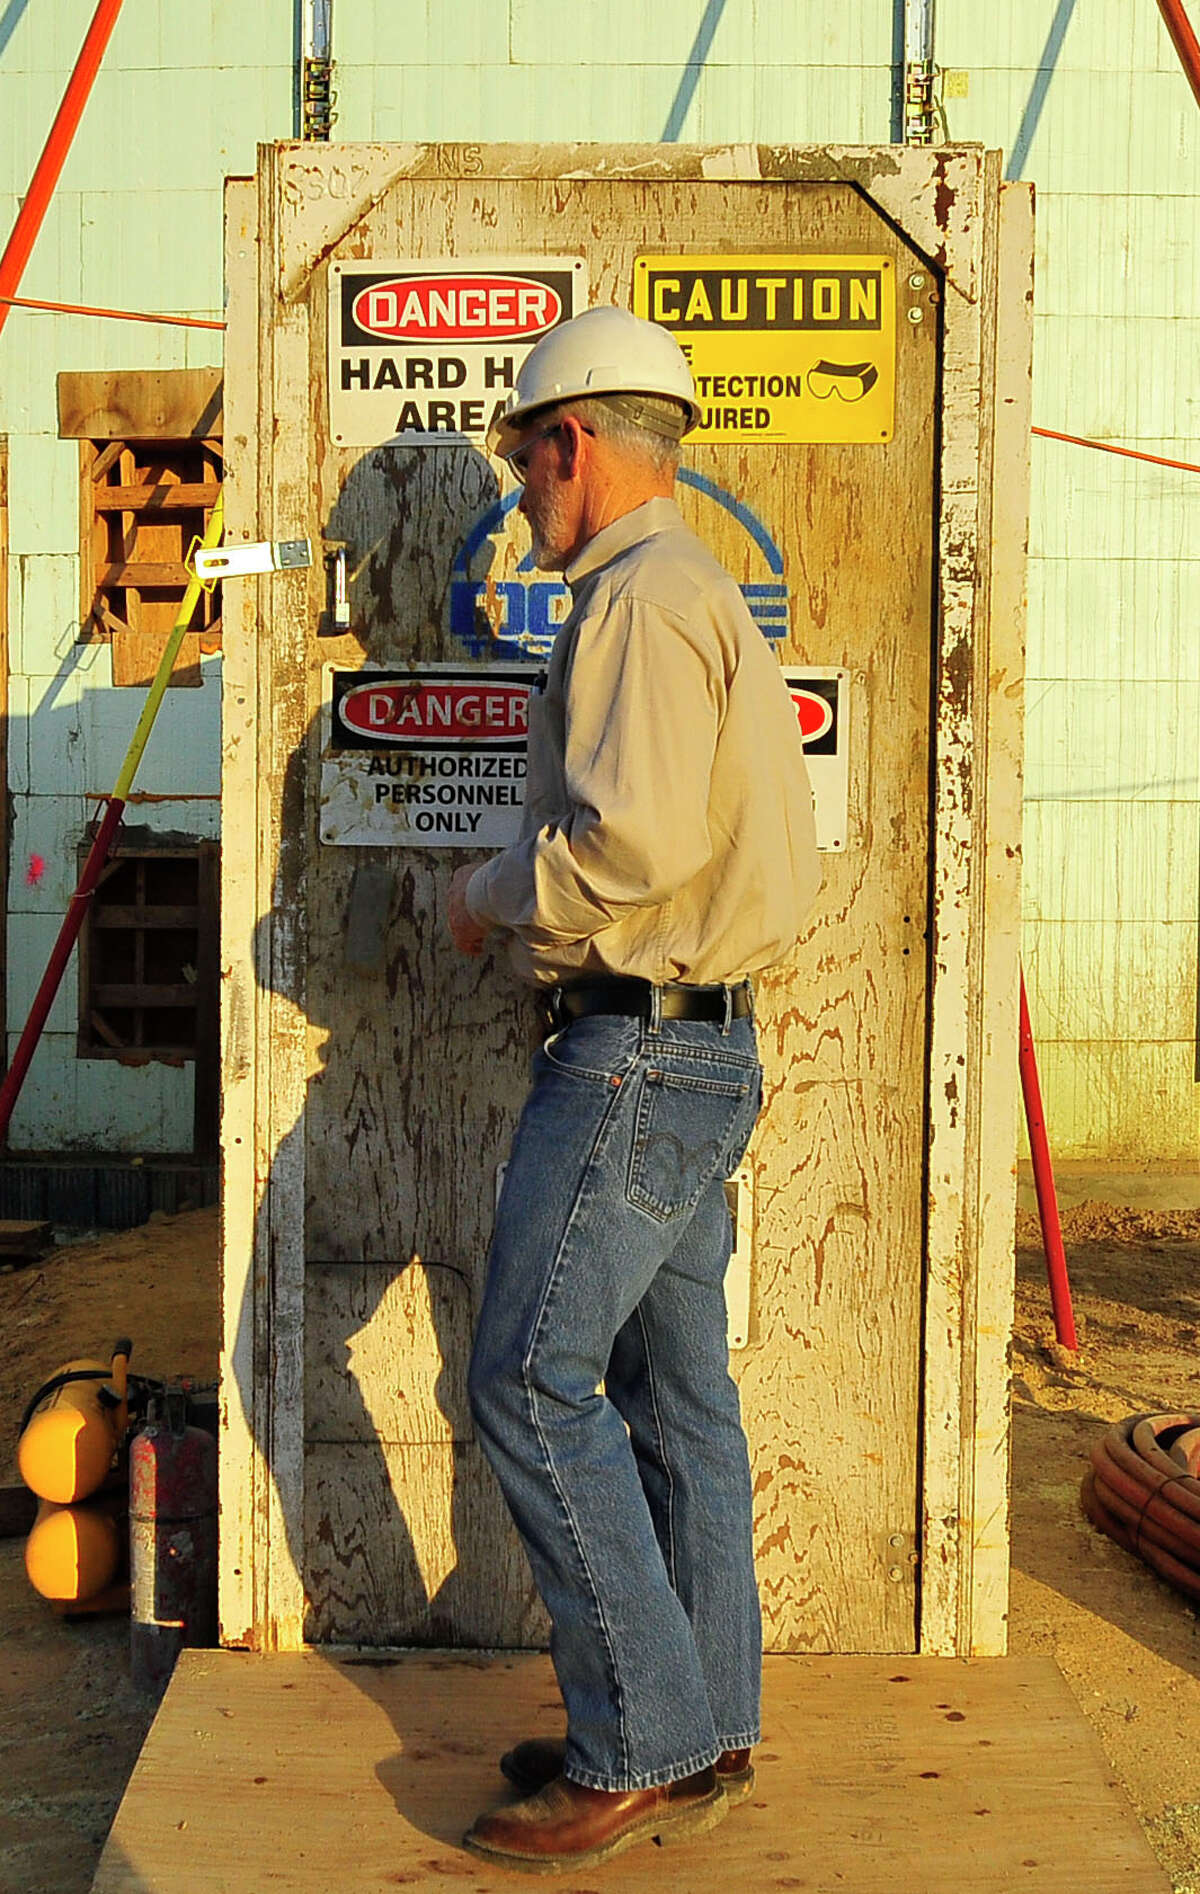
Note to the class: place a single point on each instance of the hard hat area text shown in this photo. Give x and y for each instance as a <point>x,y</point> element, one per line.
<point>428,351</point>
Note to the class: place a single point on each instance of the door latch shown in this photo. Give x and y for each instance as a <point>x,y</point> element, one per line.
<point>238,562</point>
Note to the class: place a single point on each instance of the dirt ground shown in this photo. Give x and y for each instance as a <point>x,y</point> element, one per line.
<point>1127,1644</point>
<point>71,1724</point>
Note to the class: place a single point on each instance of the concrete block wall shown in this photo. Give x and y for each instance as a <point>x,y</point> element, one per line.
<point>182,99</point>
<point>1090,102</point>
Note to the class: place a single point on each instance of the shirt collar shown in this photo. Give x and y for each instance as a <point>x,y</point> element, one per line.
<point>653,516</point>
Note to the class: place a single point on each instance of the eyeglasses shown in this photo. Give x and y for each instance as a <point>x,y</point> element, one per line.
<point>520,457</point>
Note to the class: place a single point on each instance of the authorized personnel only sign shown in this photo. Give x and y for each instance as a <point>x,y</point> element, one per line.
<point>782,348</point>
<point>427,352</point>
<point>434,756</point>
<point>428,757</point>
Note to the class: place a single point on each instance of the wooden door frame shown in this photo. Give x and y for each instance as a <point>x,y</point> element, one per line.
<point>951,206</point>
<point>5,799</point>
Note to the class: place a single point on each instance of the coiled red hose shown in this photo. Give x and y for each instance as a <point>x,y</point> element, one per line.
<point>1142,1491</point>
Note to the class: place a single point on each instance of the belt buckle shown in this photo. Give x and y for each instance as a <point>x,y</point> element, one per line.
<point>556,1016</point>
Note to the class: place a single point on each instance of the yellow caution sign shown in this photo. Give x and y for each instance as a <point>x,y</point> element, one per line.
<point>782,348</point>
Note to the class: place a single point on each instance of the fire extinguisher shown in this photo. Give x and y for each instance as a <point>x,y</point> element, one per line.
<point>172,1540</point>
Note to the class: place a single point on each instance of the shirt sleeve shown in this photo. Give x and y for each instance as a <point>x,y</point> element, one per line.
<point>644,700</point>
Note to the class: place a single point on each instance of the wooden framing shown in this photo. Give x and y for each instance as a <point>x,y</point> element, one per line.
<point>140,404</point>
<point>206,1103</point>
<point>142,992</point>
<point>150,463</point>
<point>140,508</point>
<point>972,1118</point>
<point>949,206</point>
<point>246,1595</point>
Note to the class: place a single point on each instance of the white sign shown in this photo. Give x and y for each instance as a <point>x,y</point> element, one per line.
<point>821,695</point>
<point>427,352</point>
<point>432,756</point>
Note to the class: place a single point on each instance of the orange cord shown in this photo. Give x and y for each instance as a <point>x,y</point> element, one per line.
<point>200,322</point>
<point>121,315</point>
<point>1106,447</point>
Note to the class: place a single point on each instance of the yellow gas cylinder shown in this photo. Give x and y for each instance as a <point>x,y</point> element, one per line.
<point>72,1551</point>
<point>70,1434</point>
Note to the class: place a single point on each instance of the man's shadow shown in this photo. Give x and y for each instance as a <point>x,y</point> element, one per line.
<point>401,1538</point>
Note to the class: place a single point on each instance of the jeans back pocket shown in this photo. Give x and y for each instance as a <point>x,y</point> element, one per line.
<point>682,1136</point>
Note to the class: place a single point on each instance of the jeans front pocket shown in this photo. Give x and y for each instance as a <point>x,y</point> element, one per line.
<point>685,1123</point>
<point>601,1048</point>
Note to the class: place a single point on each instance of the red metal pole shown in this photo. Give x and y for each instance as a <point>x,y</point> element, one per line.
<point>1184,41</point>
<point>68,934</point>
<point>50,164</point>
<point>1043,1181</point>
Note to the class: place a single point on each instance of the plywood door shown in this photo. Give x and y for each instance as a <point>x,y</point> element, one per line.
<point>419,1061</point>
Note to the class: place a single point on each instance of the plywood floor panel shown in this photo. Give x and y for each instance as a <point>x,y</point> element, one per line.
<point>311,1772</point>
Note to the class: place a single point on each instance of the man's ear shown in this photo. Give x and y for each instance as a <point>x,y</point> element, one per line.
<point>571,438</point>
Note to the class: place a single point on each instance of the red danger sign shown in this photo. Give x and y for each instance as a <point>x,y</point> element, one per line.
<point>457,309</point>
<point>427,350</point>
<point>815,713</point>
<point>432,756</point>
<point>821,696</point>
<point>431,711</point>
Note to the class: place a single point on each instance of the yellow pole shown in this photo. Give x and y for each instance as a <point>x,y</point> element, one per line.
<point>133,756</point>
<point>14,1078</point>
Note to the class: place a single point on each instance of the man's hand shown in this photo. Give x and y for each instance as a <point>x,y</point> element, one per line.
<point>465,930</point>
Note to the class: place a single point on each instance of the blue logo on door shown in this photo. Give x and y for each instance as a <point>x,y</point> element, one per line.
<point>518,617</point>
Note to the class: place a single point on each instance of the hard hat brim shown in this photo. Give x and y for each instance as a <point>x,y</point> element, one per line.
<point>504,434</point>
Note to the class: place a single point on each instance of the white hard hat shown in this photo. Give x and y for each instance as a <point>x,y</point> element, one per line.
<point>601,352</point>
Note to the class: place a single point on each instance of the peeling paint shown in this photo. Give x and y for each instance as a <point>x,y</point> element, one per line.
<point>932,195</point>
<point>943,203</point>
<point>958,673</point>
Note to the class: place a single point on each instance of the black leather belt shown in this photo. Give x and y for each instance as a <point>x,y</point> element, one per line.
<point>633,997</point>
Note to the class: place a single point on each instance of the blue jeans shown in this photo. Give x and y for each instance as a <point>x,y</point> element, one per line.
<point>633,1499</point>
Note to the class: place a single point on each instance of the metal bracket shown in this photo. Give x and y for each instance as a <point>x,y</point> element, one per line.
<point>336,553</point>
<point>265,555</point>
<point>739,1194</point>
<point>900,1557</point>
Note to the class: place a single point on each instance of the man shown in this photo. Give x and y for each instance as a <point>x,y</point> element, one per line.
<point>667,853</point>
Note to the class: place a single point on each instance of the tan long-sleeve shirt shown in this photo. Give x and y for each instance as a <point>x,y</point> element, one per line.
<point>668,824</point>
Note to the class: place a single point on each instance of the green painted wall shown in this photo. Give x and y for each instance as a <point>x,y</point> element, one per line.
<point>183,98</point>
<point>1086,99</point>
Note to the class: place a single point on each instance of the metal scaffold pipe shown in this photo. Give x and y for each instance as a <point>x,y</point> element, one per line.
<point>1184,41</point>
<point>918,72</point>
<point>316,94</point>
<point>1043,1180</point>
<point>58,144</point>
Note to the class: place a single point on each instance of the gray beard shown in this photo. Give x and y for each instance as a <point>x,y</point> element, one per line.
<point>545,556</point>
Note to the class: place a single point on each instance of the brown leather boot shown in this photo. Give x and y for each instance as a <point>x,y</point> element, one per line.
<point>566,1825</point>
<point>536,1761</point>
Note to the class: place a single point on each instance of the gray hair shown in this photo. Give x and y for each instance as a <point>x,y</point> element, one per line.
<point>657,441</point>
